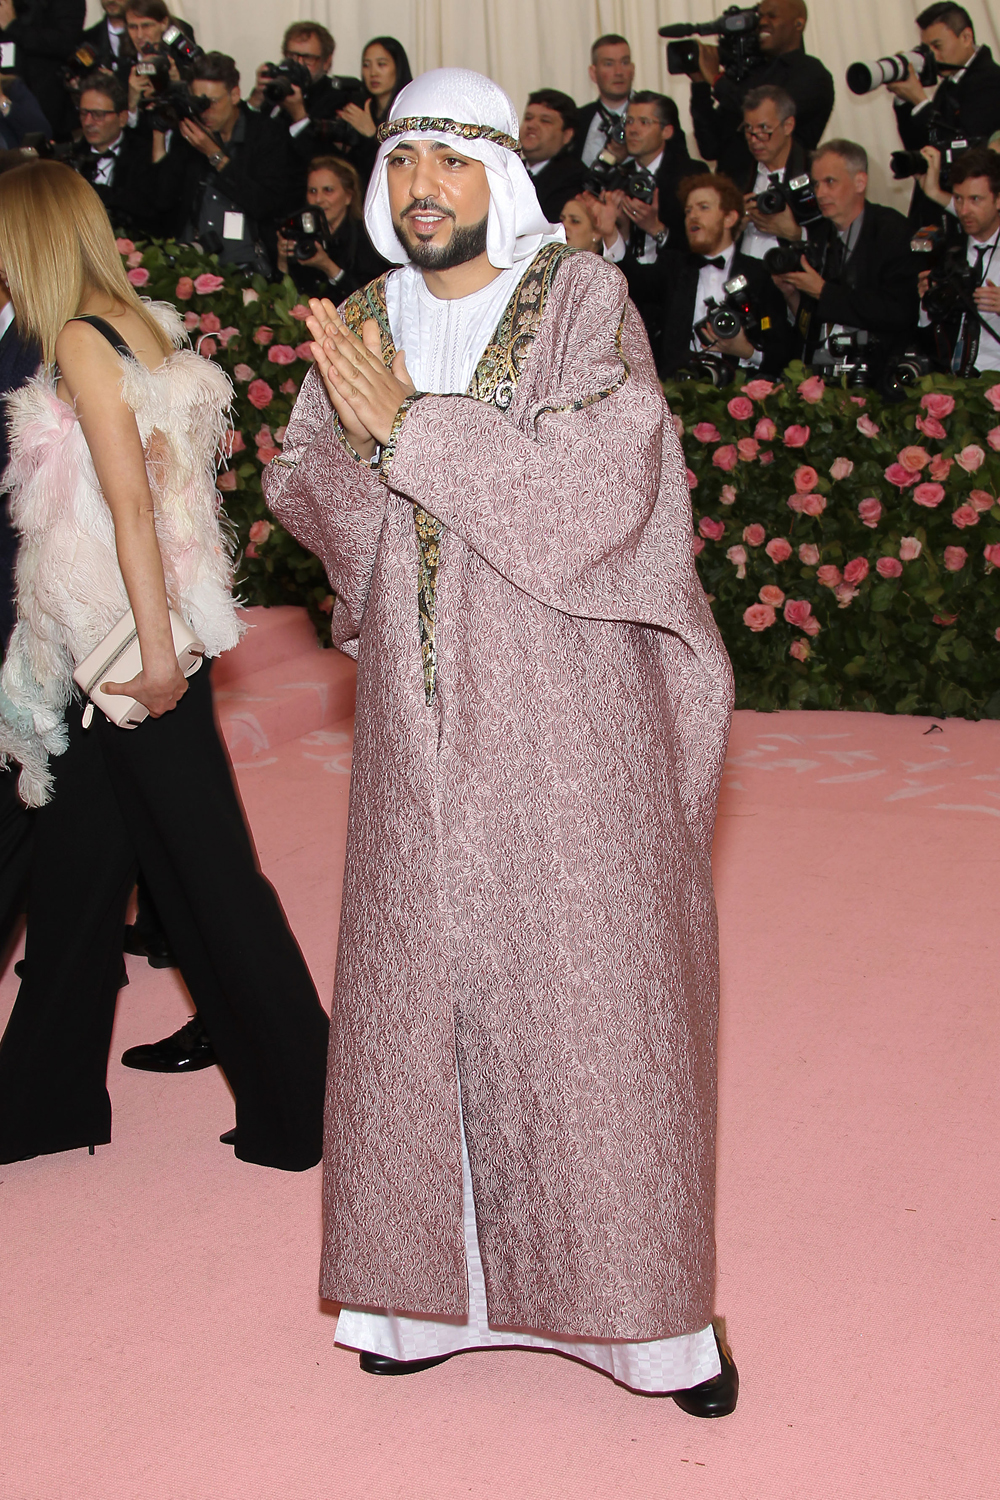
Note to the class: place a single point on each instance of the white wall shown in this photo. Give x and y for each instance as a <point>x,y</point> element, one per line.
<point>528,44</point>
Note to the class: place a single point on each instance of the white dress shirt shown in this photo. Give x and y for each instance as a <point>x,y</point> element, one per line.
<point>106,161</point>
<point>595,138</point>
<point>755,242</point>
<point>6,317</point>
<point>988,357</point>
<point>650,249</point>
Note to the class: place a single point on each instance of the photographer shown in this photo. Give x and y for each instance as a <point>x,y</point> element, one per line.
<point>657,148</point>
<point>769,131</point>
<point>225,182</point>
<point>109,41</point>
<point>613,71</point>
<point>44,33</point>
<point>966,103</point>
<point>717,100</point>
<point>681,281</point>
<point>965,314</point>
<point>146,21</point>
<point>547,128</point>
<point>346,260</point>
<point>311,111</point>
<point>117,162</point>
<point>20,113</point>
<point>858,272</point>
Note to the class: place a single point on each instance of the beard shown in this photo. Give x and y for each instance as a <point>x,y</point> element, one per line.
<point>467,243</point>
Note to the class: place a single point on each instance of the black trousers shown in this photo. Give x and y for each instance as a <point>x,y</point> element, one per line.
<point>16,824</point>
<point>161,796</point>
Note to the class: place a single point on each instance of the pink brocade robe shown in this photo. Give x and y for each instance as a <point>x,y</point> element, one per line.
<point>528,881</point>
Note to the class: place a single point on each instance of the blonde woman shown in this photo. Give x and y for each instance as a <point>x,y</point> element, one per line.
<point>112,492</point>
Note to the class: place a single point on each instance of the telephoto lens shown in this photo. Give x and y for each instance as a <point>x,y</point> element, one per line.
<point>865,77</point>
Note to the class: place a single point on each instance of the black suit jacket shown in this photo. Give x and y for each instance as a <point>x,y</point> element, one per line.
<point>130,197</point>
<point>560,179</point>
<point>23,118</point>
<point>797,163</point>
<point>45,32</point>
<point>875,290</point>
<point>97,38</point>
<point>672,282</point>
<point>971,107</point>
<point>18,362</point>
<point>717,112</point>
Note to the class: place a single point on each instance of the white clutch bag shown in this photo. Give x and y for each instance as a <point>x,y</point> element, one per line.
<point>118,659</point>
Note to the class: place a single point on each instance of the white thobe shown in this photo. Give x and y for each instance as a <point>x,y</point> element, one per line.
<point>443,342</point>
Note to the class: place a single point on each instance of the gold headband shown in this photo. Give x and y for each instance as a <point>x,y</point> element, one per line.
<point>425,125</point>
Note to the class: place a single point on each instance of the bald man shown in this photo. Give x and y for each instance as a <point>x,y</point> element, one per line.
<point>717,99</point>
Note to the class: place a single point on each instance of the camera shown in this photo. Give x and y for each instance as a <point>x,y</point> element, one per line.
<point>735,315</point>
<point>781,259</point>
<point>952,279</point>
<point>850,355</point>
<point>309,232</point>
<point>796,194</point>
<point>626,177</point>
<point>914,164</point>
<point>864,78</point>
<point>78,65</point>
<point>281,78</point>
<point>184,52</point>
<point>902,372</point>
<point>171,103</point>
<point>709,369</point>
<point>739,49</point>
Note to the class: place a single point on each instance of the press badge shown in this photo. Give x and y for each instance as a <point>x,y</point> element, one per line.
<point>7,58</point>
<point>232,226</point>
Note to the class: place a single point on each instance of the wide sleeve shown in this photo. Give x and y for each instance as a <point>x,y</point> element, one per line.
<point>330,502</point>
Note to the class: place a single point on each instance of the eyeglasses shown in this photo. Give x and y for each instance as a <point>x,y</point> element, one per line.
<point>757,132</point>
<point>97,115</point>
<point>304,57</point>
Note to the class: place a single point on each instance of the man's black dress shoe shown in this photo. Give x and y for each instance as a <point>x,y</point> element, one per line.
<point>150,946</point>
<point>715,1397</point>
<point>228,1137</point>
<point>185,1051</point>
<point>381,1364</point>
<point>20,970</point>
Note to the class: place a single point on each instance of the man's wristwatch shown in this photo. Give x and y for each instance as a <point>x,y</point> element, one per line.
<point>5,106</point>
<point>216,159</point>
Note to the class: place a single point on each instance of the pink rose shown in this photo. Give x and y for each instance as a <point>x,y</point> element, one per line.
<point>184,289</point>
<point>867,427</point>
<point>778,549</point>
<point>207,347</point>
<point>856,570</point>
<point>771,594</point>
<point>937,404</point>
<point>698,545</point>
<point>226,480</point>
<point>236,442</point>
<point>259,393</point>
<point>740,409</point>
<point>124,247</point>
<point>799,649</point>
<point>808,554</point>
<point>870,511</point>
<point>932,428</point>
<point>767,458</point>
<point>758,389</point>
<point>263,334</point>
<point>326,605</point>
<point>728,495</point>
<point>970,459</point>
<point>678,424</point>
<point>910,548</point>
<point>225,334</point>
<point>841,468</point>
<point>860,400</point>
<point>982,500</point>
<point>738,557</point>
<point>812,505</point>
<point>725,458</point>
<point>279,434</point>
<point>993,438</point>
<point>797,611</point>
<point>955,559</point>
<point>299,312</point>
<point>191,321</point>
<point>796,437</point>
<point>811,390</point>
<point>901,477</point>
<point>265,455</point>
<point>966,515</point>
<point>759,617</point>
<point>692,479</point>
<point>138,277</point>
<point>765,430</point>
<point>135,259</point>
<point>748,448</point>
<point>281,354</point>
<point>913,459</point>
<point>829,576</point>
<point>940,467</point>
<point>889,567</point>
<point>263,435</point>
<point>260,531</point>
<point>805,478</point>
<point>242,373</point>
<point>992,554</point>
<point>249,295</point>
<point>993,396</point>
<point>304,351</point>
<point>209,323</point>
<point>713,531</point>
<point>945,619</point>
<point>706,432</point>
<point>288,388</point>
<point>207,282</point>
<point>844,594</point>
<point>928,495</point>
<point>811,626</point>
<point>754,535</point>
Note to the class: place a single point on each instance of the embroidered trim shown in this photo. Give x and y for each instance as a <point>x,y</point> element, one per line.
<point>431,125</point>
<point>388,451</point>
<point>601,395</point>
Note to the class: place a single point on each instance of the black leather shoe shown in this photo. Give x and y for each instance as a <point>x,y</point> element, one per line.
<point>228,1137</point>
<point>381,1364</point>
<point>715,1397</point>
<point>185,1052</point>
<point>155,950</point>
<point>20,970</point>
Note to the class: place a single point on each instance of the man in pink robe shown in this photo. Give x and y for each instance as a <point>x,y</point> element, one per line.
<point>520,1132</point>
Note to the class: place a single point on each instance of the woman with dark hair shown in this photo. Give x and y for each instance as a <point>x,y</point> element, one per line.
<point>385,69</point>
<point>349,260</point>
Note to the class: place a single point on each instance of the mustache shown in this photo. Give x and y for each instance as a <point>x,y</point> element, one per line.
<point>423,205</point>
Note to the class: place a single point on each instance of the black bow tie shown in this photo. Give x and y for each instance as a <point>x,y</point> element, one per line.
<point>707,260</point>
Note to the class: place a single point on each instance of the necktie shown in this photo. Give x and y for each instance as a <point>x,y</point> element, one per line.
<point>967,343</point>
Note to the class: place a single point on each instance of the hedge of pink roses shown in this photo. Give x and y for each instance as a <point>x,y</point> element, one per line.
<point>851,549</point>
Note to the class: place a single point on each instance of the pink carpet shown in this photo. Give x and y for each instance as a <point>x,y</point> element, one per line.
<point>160,1335</point>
